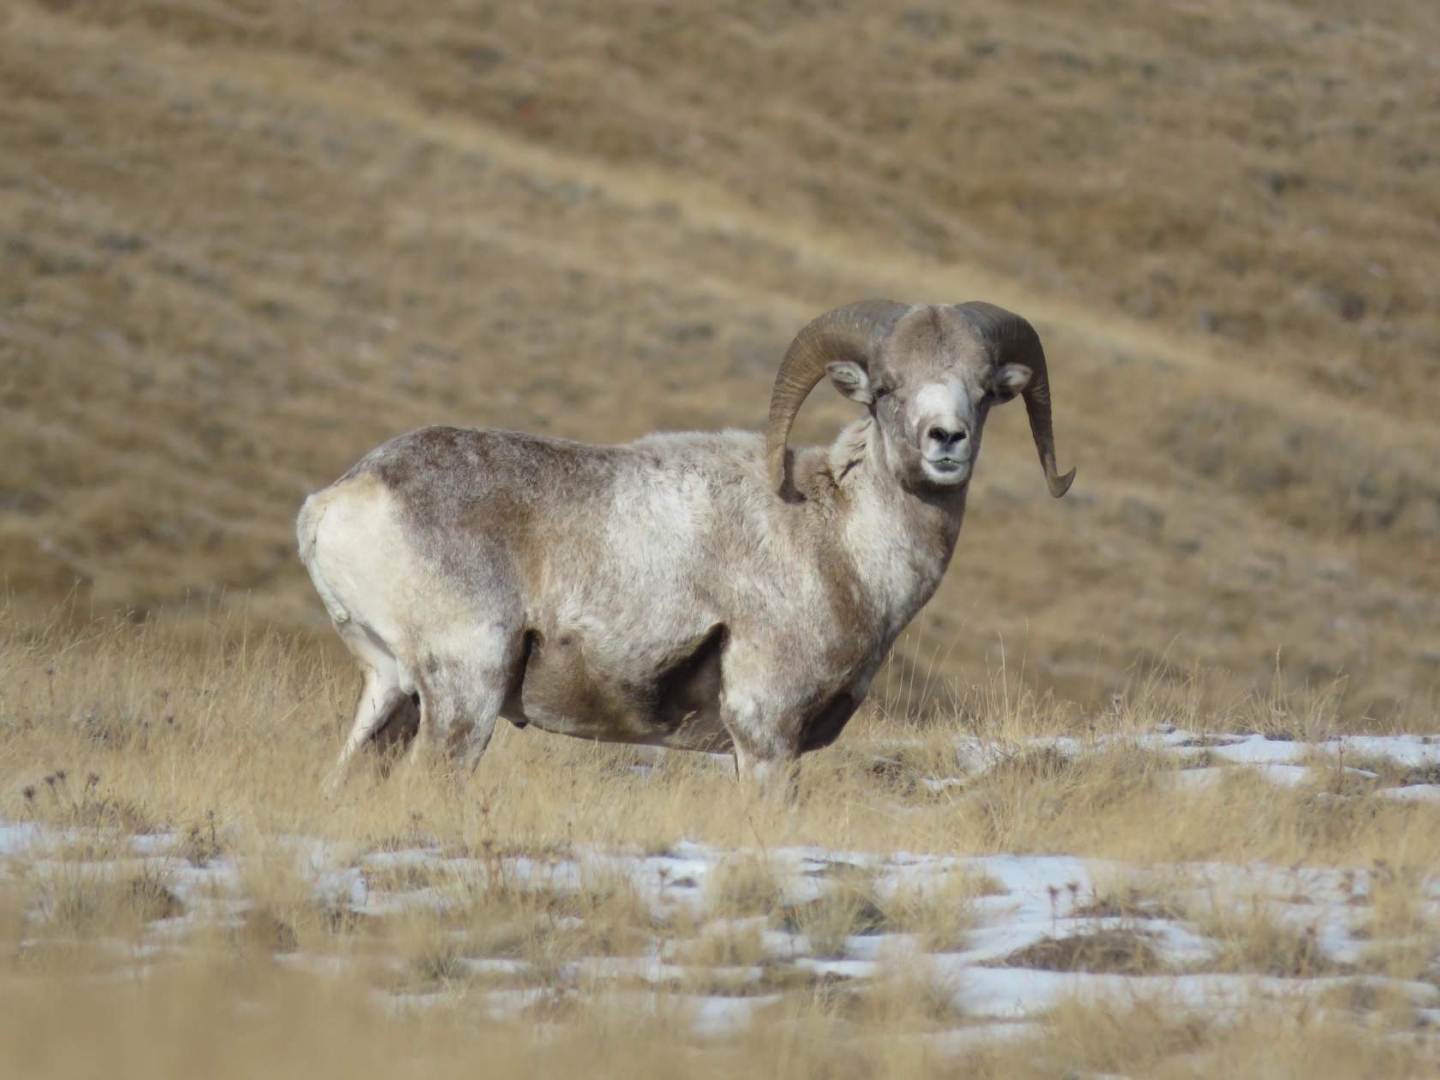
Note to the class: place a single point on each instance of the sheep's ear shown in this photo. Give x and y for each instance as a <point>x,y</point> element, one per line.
<point>850,379</point>
<point>1010,380</point>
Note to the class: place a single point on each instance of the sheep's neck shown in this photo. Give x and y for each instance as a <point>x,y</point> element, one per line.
<point>900,542</point>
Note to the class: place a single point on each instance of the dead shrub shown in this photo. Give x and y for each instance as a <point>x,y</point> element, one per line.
<point>1116,952</point>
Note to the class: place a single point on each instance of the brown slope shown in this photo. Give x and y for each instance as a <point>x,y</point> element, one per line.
<point>243,243</point>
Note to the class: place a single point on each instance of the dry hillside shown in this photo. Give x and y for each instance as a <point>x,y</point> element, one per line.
<point>243,241</point>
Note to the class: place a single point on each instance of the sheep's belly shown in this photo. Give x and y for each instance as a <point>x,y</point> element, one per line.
<point>696,732</point>
<point>676,703</point>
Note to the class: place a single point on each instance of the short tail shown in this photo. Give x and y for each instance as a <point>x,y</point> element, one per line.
<point>307,527</point>
<point>307,533</point>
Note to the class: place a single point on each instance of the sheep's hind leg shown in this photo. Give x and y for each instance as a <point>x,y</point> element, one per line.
<point>399,731</point>
<point>379,697</point>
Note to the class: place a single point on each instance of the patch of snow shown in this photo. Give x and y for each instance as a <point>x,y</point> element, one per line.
<point>1258,750</point>
<point>493,965</point>
<point>942,783</point>
<point>709,1016</point>
<point>153,843</point>
<point>844,969</point>
<point>1408,750</point>
<point>885,948</point>
<point>506,1004</point>
<point>1289,775</point>
<point>389,860</point>
<point>1202,779</point>
<point>962,1040</point>
<point>18,838</point>
<point>1018,993</point>
<point>402,1003</point>
<point>1411,793</point>
<point>316,965</point>
<point>718,1017</point>
<point>381,904</point>
<point>651,969</point>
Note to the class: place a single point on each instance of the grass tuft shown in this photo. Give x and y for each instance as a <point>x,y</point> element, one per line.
<point>1252,940</point>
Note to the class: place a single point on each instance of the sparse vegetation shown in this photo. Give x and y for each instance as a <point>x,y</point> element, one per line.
<point>505,903</point>
<point>731,945</point>
<point>54,800</point>
<point>941,911</point>
<point>748,885</point>
<point>84,902</point>
<point>849,906</point>
<point>1253,940</point>
<point>199,842</point>
<point>240,243</point>
<point>1128,900</point>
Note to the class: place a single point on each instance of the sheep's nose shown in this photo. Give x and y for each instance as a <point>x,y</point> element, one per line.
<point>948,438</point>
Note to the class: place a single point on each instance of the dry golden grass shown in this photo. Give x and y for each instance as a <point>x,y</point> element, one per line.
<point>290,1024</point>
<point>940,912</point>
<point>85,902</point>
<point>231,770</point>
<point>1120,896</point>
<point>204,736</point>
<point>851,906</point>
<point>1397,902</point>
<point>1151,1041</point>
<point>727,946</point>
<point>744,886</point>
<point>1253,941</point>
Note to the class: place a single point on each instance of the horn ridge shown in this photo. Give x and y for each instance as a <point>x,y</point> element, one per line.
<point>1013,340</point>
<point>853,332</point>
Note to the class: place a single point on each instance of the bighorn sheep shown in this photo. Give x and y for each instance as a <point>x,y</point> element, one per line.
<point>709,591</point>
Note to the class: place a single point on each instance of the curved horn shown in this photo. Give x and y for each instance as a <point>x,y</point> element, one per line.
<point>853,332</point>
<point>1013,340</point>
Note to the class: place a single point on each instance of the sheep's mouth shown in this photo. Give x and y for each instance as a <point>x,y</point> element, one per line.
<point>947,470</point>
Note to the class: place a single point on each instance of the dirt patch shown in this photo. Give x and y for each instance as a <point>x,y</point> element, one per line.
<point>1117,952</point>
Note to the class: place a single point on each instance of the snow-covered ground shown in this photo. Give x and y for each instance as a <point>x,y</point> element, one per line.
<point>1413,760</point>
<point>1041,928</point>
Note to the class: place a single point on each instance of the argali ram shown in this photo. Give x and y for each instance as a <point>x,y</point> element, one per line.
<point>716,591</point>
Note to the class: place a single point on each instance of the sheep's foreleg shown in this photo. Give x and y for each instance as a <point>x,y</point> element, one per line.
<point>774,775</point>
<point>459,705</point>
